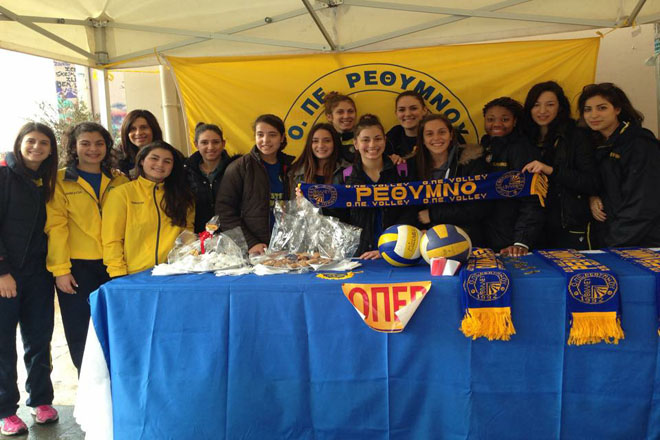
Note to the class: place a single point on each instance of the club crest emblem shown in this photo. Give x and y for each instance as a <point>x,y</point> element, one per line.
<point>593,288</point>
<point>322,196</point>
<point>510,184</point>
<point>487,285</point>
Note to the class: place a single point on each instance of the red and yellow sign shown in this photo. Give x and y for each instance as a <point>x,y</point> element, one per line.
<point>386,307</point>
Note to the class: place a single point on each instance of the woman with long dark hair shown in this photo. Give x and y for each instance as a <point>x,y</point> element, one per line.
<point>566,156</point>
<point>254,183</point>
<point>439,156</point>
<point>628,158</point>
<point>27,181</point>
<point>320,159</point>
<point>75,252</point>
<point>143,218</point>
<point>139,129</point>
<point>515,224</point>
<point>205,169</point>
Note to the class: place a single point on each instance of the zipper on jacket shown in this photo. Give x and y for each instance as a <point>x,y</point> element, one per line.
<point>157,230</point>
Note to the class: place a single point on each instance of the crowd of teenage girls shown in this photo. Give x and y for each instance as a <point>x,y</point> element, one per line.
<point>97,218</point>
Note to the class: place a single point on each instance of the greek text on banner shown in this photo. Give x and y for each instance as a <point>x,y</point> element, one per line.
<point>386,307</point>
<point>504,184</point>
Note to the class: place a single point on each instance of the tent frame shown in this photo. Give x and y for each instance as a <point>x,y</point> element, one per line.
<point>101,59</point>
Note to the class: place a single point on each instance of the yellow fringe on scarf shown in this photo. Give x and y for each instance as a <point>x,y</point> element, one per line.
<point>595,327</point>
<point>539,187</point>
<point>489,322</point>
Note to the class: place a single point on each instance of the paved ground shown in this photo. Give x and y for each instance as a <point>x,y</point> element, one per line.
<point>65,382</point>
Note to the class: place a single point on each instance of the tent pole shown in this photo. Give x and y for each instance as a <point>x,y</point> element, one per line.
<point>101,53</point>
<point>171,110</point>
<point>656,44</point>
<point>104,99</point>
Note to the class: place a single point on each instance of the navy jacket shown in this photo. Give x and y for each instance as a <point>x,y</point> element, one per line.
<point>22,217</point>
<point>629,166</point>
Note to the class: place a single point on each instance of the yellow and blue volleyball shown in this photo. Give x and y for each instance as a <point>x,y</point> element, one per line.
<point>446,241</point>
<point>399,245</point>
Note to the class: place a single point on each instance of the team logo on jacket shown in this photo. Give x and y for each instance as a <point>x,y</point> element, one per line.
<point>487,285</point>
<point>510,184</point>
<point>593,287</point>
<point>322,196</point>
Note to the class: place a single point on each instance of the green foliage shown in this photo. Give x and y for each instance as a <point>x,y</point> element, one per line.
<point>61,120</point>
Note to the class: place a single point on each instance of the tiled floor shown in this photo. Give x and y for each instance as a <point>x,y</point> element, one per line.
<point>65,383</point>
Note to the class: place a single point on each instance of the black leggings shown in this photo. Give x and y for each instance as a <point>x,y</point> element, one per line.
<point>32,309</point>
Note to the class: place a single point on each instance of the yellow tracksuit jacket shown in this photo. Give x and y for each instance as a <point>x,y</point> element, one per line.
<point>136,232</point>
<point>73,222</point>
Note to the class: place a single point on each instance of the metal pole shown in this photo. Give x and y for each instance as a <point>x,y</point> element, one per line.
<point>656,43</point>
<point>171,111</point>
<point>103,82</point>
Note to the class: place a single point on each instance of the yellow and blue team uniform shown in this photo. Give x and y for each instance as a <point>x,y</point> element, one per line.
<point>136,232</point>
<point>73,226</point>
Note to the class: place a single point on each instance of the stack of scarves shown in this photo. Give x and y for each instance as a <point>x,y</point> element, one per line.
<point>647,259</point>
<point>593,302</point>
<point>486,297</point>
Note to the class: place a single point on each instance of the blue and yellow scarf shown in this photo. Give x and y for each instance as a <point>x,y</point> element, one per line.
<point>592,297</point>
<point>486,297</point>
<point>500,185</point>
<point>647,259</point>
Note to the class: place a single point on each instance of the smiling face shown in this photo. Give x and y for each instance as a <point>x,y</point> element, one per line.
<point>35,148</point>
<point>600,115</point>
<point>158,164</point>
<point>499,121</point>
<point>343,116</point>
<point>210,146</point>
<point>322,144</point>
<point>545,109</point>
<point>370,142</point>
<point>140,133</point>
<point>437,137</point>
<point>91,149</point>
<point>409,111</point>
<point>268,140</point>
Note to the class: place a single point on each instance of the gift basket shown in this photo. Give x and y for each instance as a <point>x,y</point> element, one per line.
<point>210,251</point>
<point>303,239</point>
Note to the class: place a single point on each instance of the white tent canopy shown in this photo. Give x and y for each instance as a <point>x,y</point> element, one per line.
<point>123,33</point>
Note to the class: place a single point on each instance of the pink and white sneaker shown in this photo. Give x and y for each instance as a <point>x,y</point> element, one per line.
<point>13,425</point>
<point>45,414</point>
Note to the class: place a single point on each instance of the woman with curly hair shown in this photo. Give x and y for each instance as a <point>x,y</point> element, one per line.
<point>628,160</point>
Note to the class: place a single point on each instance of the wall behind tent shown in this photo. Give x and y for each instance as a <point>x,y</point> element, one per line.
<point>455,81</point>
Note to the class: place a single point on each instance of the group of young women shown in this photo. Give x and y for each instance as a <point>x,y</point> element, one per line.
<point>98,219</point>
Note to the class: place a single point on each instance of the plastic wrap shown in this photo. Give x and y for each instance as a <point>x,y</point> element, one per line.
<point>220,252</point>
<point>304,239</point>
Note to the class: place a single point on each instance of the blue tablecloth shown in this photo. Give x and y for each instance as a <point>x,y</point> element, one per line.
<point>288,357</point>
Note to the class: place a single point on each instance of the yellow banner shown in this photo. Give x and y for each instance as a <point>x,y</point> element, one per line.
<point>386,307</point>
<point>455,80</point>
